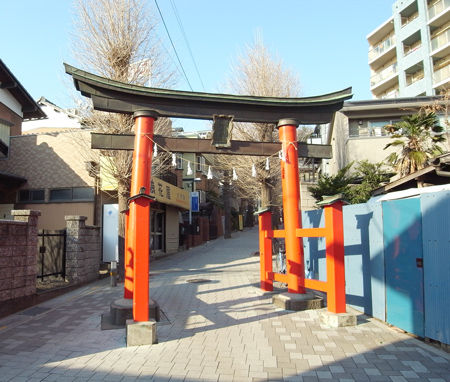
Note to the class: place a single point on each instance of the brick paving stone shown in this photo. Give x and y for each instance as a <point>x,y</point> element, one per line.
<point>398,379</point>
<point>225,330</point>
<point>324,375</point>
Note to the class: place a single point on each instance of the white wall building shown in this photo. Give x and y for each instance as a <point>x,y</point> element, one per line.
<point>57,118</point>
<point>409,54</point>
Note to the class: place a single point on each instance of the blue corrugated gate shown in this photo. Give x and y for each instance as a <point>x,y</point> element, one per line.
<point>402,231</point>
<point>397,261</point>
<point>436,258</point>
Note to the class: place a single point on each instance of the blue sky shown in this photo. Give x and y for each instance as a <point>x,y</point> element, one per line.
<point>323,41</point>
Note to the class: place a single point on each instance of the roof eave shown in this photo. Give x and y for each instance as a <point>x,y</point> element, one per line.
<point>30,108</point>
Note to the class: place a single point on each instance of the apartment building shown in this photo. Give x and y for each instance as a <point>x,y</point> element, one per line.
<point>409,54</point>
<point>358,130</point>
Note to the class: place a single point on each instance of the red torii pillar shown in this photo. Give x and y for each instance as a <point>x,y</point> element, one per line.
<point>137,232</point>
<point>292,233</point>
<point>290,186</point>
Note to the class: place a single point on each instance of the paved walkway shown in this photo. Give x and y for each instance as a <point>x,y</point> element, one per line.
<point>222,330</point>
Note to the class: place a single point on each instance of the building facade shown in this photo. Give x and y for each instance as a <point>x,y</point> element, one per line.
<point>58,180</point>
<point>16,106</point>
<point>357,131</point>
<point>409,54</point>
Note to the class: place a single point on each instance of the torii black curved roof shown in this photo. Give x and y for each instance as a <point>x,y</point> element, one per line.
<point>114,96</point>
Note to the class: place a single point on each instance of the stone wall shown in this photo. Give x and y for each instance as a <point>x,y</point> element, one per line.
<point>18,255</point>
<point>83,250</point>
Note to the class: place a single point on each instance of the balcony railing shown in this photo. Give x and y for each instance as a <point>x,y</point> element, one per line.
<point>407,19</point>
<point>438,8</point>
<point>382,47</point>
<point>441,74</point>
<point>412,48</point>
<point>385,73</point>
<point>440,40</point>
<point>390,94</point>
<point>412,78</point>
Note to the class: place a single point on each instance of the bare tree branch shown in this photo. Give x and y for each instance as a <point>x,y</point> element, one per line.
<point>258,72</point>
<point>117,39</point>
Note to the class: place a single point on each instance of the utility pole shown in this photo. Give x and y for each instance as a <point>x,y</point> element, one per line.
<point>226,204</point>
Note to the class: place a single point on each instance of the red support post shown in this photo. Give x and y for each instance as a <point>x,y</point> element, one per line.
<point>335,257</point>
<point>138,240</point>
<point>290,185</point>
<point>265,250</point>
<point>128,284</point>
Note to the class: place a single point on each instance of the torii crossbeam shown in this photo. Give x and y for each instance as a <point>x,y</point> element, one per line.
<point>146,104</point>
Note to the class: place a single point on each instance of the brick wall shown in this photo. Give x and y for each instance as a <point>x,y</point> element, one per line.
<point>204,228</point>
<point>83,250</point>
<point>51,160</point>
<point>18,255</point>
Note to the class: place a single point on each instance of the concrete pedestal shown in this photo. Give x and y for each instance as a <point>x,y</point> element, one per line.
<point>297,302</point>
<point>336,320</point>
<point>141,333</point>
<point>121,310</point>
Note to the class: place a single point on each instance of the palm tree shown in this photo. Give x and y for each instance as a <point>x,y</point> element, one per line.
<point>418,136</point>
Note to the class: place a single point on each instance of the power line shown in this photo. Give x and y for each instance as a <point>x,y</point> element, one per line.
<point>173,46</point>
<point>180,24</point>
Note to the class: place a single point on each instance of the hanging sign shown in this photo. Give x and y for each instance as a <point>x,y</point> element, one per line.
<point>195,201</point>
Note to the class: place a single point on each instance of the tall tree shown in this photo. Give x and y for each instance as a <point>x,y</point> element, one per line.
<point>258,72</point>
<point>117,39</point>
<point>418,137</point>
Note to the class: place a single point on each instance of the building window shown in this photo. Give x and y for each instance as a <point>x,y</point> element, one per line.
<point>410,13</point>
<point>361,128</point>
<point>31,196</point>
<point>4,138</point>
<point>376,129</point>
<point>412,43</point>
<point>83,193</point>
<point>72,194</point>
<point>200,163</point>
<point>157,233</point>
<point>179,159</point>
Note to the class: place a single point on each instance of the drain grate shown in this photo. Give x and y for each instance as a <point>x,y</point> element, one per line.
<point>198,281</point>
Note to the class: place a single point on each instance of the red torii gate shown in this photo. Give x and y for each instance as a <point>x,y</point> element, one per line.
<point>146,104</point>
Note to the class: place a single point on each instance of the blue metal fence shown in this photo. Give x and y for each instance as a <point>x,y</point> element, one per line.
<point>436,264</point>
<point>365,259</point>
<point>403,256</point>
<point>364,262</point>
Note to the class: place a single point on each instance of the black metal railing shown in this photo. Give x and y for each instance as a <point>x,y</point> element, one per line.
<point>52,253</point>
